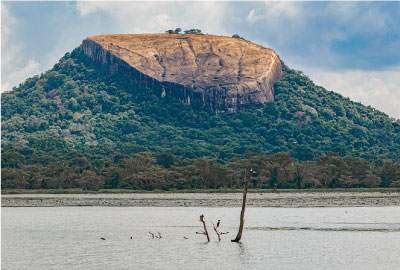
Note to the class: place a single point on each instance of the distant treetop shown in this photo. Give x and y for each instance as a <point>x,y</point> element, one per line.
<point>193,31</point>
<point>237,36</point>
<point>179,30</point>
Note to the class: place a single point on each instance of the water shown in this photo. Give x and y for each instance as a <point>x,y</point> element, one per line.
<point>274,238</point>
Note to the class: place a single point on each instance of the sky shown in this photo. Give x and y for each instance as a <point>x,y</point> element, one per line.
<point>352,48</point>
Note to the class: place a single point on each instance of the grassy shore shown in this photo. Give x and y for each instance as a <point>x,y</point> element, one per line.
<point>113,191</point>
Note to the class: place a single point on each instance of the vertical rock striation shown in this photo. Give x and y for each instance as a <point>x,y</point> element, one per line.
<point>220,73</point>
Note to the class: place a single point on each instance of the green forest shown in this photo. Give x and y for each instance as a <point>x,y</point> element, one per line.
<point>80,126</point>
<point>162,171</point>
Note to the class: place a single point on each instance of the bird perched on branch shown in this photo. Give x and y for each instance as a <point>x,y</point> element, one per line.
<point>219,222</point>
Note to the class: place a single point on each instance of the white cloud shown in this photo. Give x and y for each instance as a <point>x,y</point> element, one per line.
<point>161,20</point>
<point>6,24</point>
<point>290,10</point>
<point>250,18</point>
<point>20,74</point>
<point>380,89</point>
<point>148,17</point>
<point>14,68</point>
<point>85,8</point>
<point>275,10</point>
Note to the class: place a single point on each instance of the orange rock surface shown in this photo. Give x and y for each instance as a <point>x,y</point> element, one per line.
<point>226,74</point>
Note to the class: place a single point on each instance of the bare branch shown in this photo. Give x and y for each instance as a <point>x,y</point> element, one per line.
<point>219,233</point>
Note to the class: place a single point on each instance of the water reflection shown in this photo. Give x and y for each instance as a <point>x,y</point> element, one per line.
<point>242,252</point>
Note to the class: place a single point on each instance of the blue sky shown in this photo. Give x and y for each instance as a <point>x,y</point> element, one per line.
<point>349,47</point>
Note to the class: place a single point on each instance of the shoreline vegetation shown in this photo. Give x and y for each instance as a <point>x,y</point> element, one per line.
<point>163,171</point>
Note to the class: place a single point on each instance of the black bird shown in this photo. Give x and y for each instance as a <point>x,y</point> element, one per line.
<point>219,222</point>
<point>131,237</point>
<point>102,238</point>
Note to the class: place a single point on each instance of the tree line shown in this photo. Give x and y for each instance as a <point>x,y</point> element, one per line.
<point>164,171</point>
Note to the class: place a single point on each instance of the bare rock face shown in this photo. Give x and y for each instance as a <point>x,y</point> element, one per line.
<point>221,73</point>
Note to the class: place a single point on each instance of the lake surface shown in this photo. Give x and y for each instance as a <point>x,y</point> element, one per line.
<point>274,238</point>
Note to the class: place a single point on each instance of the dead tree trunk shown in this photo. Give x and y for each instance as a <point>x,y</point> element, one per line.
<point>218,232</point>
<point>205,228</point>
<point>246,185</point>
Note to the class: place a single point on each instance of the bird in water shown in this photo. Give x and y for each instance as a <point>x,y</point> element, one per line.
<point>219,222</point>
<point>102,238</point>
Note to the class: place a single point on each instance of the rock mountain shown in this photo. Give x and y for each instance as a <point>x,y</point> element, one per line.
<point>118,95</point>
<point>220,73</point>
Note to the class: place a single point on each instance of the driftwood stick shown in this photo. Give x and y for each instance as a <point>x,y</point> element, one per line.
<point>217,232</point>
<point>205,227</point>
<point>246,186</point>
